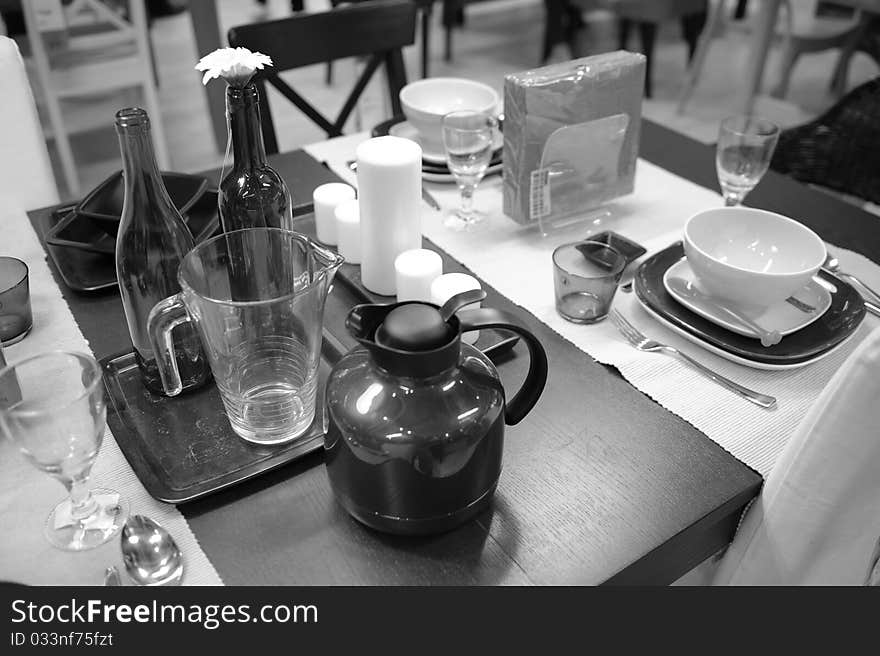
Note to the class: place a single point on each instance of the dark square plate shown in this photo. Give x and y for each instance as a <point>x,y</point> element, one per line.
<point>830,330</point>
<point>104,203</point>
<point>76,230</point>
<point>627,247</point>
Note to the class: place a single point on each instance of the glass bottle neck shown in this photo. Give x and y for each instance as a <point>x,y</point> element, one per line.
<point>142,176</point>
<point>243,107</point>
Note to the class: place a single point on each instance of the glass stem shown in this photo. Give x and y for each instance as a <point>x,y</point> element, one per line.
<point>732,201</point>
<point>82,503</point>
<point>467,199</point>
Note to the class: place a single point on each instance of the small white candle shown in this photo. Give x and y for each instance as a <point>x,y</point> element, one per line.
<point>415,271</point>
<point>325,198</point>
<point>448,285</point>
<point>348,230</point>
<point>389,174</point>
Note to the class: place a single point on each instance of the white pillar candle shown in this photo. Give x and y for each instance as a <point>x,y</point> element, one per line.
<point>415,271</point>
<point>325,198</point>
<point>348,230</point>
<point>448,285</point>
<point>389,174</point>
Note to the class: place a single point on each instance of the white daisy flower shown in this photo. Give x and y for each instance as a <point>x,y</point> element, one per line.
<point>235,65</point>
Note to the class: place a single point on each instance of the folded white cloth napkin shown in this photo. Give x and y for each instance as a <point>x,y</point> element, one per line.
<point>817,519</point>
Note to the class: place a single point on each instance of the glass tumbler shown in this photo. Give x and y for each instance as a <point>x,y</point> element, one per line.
<point>257,298</point>
<point>52,408</point>
<point>586,275</point>
<point>15,301</point>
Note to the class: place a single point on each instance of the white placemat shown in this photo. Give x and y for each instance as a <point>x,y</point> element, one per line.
<point>27,495</point>
<point>518,264</point>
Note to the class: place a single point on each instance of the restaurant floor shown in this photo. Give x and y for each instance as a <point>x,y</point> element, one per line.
<point>499,37</point>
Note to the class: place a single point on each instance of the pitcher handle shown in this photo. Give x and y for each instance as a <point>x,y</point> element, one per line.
<point>527,396</point>
<point>165,316</point>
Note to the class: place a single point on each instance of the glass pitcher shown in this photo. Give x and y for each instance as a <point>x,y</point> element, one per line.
<point>257,298</point>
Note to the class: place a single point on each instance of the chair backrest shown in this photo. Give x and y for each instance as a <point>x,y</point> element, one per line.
<point>25,170</point>
<point>378,29</point>
<point>840,149</point>
<point>817,519</point>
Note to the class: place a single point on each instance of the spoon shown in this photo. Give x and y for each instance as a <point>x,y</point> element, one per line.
<point>832,265</point>
<point>150,554</point>
<point>683,288</point>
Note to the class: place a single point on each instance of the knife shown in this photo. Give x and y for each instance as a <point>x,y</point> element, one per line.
<point>426,195</point>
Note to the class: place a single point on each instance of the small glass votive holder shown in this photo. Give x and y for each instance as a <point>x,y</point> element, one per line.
<point>586,274</point>
<point>15,301</point>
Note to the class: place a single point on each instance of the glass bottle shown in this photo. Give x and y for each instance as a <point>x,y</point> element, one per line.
<point>252,194</point>
<point>150,244</point>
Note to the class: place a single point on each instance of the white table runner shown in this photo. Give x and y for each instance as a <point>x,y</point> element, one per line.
<point>518,264</point>
<point>27,495</point>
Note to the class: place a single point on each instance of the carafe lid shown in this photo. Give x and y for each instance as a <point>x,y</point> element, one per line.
<point>414,327</point>
<point>411,338</point>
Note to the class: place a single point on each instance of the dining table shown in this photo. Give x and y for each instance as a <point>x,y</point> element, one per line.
<point>601,483</point>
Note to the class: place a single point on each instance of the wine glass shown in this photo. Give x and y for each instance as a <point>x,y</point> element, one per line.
<point>745,148</point>
<point>468,138</point>
<point>52,407</point>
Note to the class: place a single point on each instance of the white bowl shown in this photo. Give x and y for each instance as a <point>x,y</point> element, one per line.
<point>751,258</point>
<point>427,101</point>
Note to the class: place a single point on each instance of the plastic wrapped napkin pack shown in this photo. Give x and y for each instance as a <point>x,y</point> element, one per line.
<point>571,135</point>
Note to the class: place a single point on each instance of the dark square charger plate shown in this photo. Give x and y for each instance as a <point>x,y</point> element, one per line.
<point>91,270</point>
<point>838,323</point>
<point>79,231</point>
<point>183,448</point>
<point>103,204</point>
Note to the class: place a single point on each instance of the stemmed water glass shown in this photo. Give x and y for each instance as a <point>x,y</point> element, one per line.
<point>468,137</point>
<point>742,157</point>
<point>52,407</point>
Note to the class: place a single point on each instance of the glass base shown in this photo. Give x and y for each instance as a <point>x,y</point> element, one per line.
<point>462,222</point>
<point>106,522</point>
<point>9,341</point>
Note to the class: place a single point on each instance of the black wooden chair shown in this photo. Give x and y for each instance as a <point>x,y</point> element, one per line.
<point>839,150</point>
<point>426,9</point>
<point>377,30</point>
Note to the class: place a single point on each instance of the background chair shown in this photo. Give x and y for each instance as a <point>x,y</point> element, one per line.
<point>100,46</point>
<point>647,15</point>
<point>426,9</point>
<point>378,29</point>
<point>817,519</point>
<point>800,26</point>
<point>26,176</point>
<point>839,150</point>
<point>563,20</point>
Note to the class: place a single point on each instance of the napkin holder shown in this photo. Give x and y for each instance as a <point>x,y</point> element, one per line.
<point>571,136</point>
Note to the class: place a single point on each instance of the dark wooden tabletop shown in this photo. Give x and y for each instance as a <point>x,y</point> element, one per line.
<point>600,483</point>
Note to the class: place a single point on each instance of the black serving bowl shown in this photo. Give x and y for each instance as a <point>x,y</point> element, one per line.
<point>103,205</point>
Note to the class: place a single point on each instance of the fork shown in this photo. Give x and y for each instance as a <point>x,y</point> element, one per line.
<point>642,343</point>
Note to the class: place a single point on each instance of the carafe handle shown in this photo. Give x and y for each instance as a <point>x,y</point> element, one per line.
<point>527,395</point>
<point>166,315</point>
